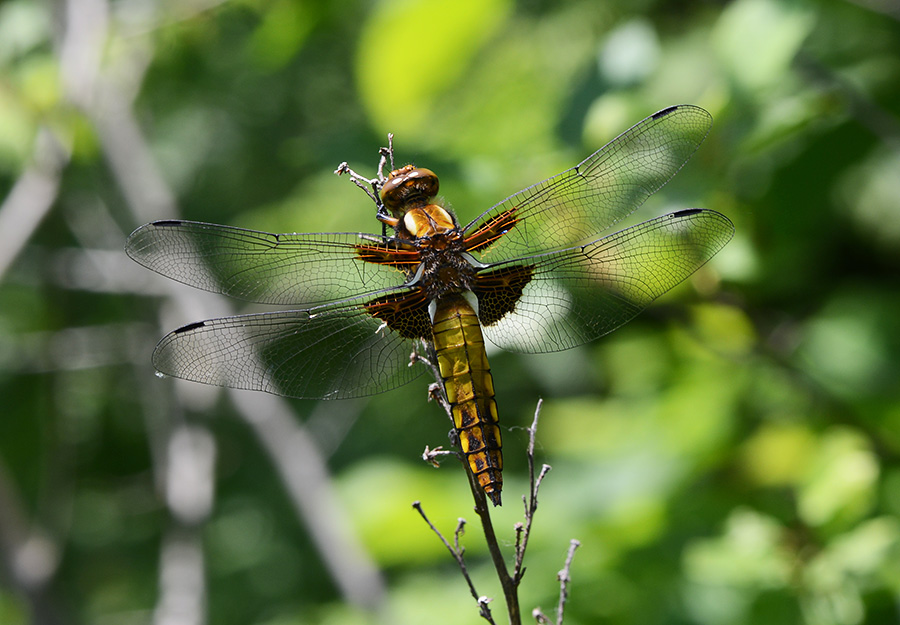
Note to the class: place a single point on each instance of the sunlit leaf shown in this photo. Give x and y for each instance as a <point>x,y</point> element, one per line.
<point>411,51</point>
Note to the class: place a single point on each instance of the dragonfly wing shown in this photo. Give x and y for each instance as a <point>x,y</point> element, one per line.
<point>333,352</point>
<point>573,296</point>
<point>286,269</point>
<point>575,206</point>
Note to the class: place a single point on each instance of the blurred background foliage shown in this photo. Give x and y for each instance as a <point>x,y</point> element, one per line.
<point>730,457</point>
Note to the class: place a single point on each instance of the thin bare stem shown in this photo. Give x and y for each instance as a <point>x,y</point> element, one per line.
<point>520,530</point>
<point>564,580</point>
<point>372,186</point>
<point>458,552</point>
<point>361,181</point>
<point>460,530</point>
<point>531,503</point>
<point>509,585</point>
<point>387,154</point>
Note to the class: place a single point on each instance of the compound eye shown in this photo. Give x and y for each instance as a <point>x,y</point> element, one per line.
<point>425,181</point>
<point>409,185</point>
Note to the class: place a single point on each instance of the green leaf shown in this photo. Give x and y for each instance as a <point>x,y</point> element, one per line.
<point>411,51</point>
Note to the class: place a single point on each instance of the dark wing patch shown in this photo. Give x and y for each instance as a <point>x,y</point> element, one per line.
<point>499,290</point>
<point>404,313</point>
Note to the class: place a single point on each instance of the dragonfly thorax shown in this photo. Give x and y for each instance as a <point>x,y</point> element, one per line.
<point>445,270</point>
<point>427,222</point>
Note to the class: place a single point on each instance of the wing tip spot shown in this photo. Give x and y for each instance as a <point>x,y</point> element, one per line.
<point>190,327</point>
<point>665,111</point>
<point>687,212</point>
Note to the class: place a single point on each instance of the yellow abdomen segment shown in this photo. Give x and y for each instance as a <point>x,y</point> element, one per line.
<point>464,368</point>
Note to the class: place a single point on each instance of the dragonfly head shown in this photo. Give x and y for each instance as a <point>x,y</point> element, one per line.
<point>408,187</point>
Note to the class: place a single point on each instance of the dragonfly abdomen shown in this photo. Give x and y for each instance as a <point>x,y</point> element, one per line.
<point>464,368</point>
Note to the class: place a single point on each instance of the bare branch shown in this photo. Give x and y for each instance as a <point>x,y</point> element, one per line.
<point>564,580</point>
<point>520,530</point>
<point>387,154</point>
<point>460,530</point>
<point>361,182</point>
<point>531,503</point>
<point>436,394</point>
<point>457,553</point>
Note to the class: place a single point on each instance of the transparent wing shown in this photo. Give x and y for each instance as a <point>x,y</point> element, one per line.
<point>286,269</point>
<point>328,353</point>
<point>577,205</point>
<point>576,295</point>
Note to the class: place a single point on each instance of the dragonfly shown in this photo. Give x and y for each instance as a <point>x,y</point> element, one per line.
<point>534,273</point>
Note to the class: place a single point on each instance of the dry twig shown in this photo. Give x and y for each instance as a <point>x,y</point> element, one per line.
<point>458,552</point>
<point>564,579</point>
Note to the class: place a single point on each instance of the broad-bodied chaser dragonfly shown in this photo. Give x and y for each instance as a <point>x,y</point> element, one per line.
<point>532,274</point>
